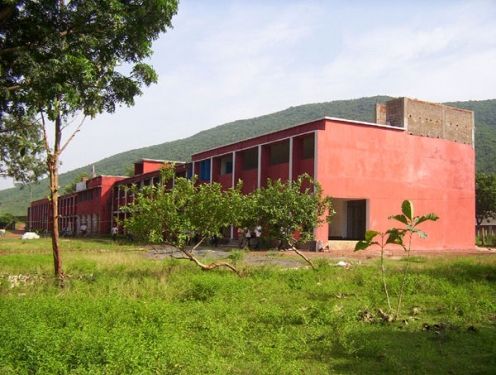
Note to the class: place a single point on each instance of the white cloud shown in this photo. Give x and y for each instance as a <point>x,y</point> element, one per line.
<point>226,61</point>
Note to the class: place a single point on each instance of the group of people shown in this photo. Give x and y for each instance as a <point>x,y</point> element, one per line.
<point>83,231</point>
<point>250,237</point>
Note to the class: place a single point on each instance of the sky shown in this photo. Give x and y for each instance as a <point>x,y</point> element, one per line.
<point>229,60</point>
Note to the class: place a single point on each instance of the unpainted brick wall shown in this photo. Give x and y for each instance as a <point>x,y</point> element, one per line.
<point>427,119</point>
<point>395,112</point>
<point>438,121</point>
<point>380,113</point>
<point>458,125</point>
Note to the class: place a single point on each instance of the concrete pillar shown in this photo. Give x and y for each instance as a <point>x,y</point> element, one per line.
<point>259,177</point>
<point>290,168</point>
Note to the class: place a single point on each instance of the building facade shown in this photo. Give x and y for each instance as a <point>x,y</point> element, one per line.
<point>414,150</point>
<point>146,172</point>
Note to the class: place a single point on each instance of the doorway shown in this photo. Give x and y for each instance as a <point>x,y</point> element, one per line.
<point>356,211</point>
<point>350,221</point>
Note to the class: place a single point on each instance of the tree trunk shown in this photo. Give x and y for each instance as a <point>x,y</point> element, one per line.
<point>54,194</point>
<point>210,266</point>
<point>53,170</point>
<point>303,256</point>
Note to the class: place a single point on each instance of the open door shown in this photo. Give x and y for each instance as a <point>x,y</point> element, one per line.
<point>356,218</point>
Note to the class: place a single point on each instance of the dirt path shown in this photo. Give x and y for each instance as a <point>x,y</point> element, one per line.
<point>289,259</point>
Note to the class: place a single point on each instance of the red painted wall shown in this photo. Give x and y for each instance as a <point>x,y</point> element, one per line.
<point>387,166</point>
<point>267,138</point>
<point>275,172</point>
<point>250,180</point>
<point>100,204</point>
<point>224,180</point>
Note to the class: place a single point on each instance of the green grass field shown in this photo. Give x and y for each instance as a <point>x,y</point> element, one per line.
<point>122,312</point>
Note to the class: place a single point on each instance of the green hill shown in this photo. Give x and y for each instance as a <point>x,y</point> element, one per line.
<point>16,200</point>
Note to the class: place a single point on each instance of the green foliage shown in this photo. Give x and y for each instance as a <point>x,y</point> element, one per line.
<point>61,60</point>
<point>485,196</point>
<point>485,240</point>
<point>21,149</point>
<point>237,256</point>
<point>485,132</point>
<point>6,220</point>
<point>191,210</point>
<point>123,313</point>
<point>289,209</point>
<point>187,211</point>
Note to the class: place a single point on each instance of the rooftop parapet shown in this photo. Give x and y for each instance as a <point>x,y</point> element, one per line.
<point>428,119</point>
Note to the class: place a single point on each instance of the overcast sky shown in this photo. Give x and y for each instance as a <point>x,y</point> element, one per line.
<point>228,60</point>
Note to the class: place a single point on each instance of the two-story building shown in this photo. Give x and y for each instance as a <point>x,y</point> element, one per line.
<point>414,150</point>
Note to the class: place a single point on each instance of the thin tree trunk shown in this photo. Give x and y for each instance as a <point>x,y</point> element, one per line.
<point>383,273</point>
<point>53,160</point>
<point>303,256</point>
<point>57,261</point>
<point>405,275</point>
<point>207,267</point>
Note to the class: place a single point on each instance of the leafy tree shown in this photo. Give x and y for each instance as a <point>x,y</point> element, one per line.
<point>401,236</point>
<point>59,63</point>
<point>485,197</point>
<point>21,150</point>
<point>6,220</point>
<point>290,211</point>
<point>187,213</point>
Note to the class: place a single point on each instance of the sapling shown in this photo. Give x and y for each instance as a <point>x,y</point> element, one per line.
<point>397,236</point>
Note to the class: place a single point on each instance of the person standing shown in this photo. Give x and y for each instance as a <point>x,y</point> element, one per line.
<point>83,229</point>
<point>258,236</point>
<point>248,237</point>
<point>114,231</point>
<point>241,237</point>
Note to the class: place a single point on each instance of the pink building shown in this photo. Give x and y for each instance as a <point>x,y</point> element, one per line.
<point>415,150</point>
<point>146,172</point>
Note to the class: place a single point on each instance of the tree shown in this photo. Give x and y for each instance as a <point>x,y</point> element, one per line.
<point>397,236</point>
<point>187,213</point>
<point>290,211</point>
<point>21,150</point>
<point>60,63</point>
<point>485,197</point>
<point>7,220</point>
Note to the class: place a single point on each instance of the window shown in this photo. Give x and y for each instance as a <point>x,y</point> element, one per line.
<point>250,159</point>
<point>86,195</point>
<point>226,165</point>
<point>205,170</point>
<point>279,153</point>
<point>309,147</point>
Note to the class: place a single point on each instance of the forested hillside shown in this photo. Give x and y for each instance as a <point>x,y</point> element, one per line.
<point>16,200</point>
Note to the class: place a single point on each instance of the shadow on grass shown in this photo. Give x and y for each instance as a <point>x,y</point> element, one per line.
<point>462,272</point>
<point>390,350</point>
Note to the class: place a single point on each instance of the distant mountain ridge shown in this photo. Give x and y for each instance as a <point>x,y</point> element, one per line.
<point>16,200</point>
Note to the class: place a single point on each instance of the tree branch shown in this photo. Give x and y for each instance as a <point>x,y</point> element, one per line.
<point>45,137</point>
<point>13,88</point>
<point>72,135</point>
<point>210,266</point>
<point>303,256</point>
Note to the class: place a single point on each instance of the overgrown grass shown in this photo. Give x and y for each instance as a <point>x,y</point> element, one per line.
<point>124,313</point>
